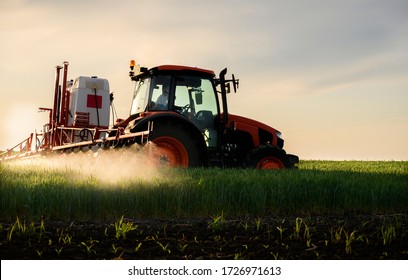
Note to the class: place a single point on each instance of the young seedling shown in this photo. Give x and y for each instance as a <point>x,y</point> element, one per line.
<point>115,251</point>
<point>59,250</point>
<point>10,233</point>
<point>245,226</point>
<point>349,239</point>
<point>138,246</point>
<point>89,246</point>
<point>388,234</point>
<point>238,256</point>
<point>17,228</point>
<point>258,224</point>
<point>64,238</point>
<point>41,228</point>
<point>39,253</point>
<point>298,226</point>
<point>307,236</point>
<point>123,228</point>
<point>281,230</point>
<point>182,247</point>
<point>275,256</point>
<point>165,248</point>
<point>217,222</point>
<point>336,235</point>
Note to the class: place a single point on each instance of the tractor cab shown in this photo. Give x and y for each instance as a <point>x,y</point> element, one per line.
<point>184,91</point>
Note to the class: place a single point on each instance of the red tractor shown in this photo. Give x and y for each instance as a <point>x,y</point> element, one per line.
<point>181,110</point>
<point>191,126</point>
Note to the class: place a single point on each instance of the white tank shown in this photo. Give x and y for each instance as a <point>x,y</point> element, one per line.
<point>89,103</point>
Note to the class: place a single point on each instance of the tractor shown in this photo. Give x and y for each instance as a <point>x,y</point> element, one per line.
<point>181,110</point>
<point>186,113</point>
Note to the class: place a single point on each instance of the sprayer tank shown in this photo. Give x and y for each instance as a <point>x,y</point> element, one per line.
<point>89,102</point>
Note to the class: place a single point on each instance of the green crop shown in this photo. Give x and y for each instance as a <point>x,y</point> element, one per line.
<point>317,188</point>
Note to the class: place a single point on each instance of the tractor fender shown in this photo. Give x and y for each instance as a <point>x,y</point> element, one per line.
<point>142,123</point>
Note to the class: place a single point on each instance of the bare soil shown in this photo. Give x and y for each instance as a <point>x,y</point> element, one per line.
<point>318,237</point>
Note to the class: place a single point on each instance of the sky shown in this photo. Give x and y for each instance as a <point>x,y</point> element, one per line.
<point>332,76</point>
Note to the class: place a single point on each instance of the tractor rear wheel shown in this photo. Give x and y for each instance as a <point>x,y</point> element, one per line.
<point>174,146</point>
<point>268,157</point>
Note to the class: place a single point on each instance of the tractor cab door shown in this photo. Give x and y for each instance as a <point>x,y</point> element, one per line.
<point>160,96</point>
<point>195,98</point>
<point>192,96</point>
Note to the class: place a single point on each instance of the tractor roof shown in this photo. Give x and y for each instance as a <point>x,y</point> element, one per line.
<point>184,68</point>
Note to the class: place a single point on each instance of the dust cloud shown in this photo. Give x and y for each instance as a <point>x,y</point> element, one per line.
<point>108,166</point>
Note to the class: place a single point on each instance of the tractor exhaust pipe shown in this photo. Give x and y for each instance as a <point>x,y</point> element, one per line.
<point>224,95</point>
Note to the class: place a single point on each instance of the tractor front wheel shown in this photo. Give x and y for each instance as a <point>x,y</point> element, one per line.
<point>268,157</point>
<point>174,146</point>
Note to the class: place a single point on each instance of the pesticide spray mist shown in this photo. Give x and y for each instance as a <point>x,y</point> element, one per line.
<point>108,166</point>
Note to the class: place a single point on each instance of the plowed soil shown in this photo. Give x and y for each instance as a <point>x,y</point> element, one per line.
<point>337,237</point>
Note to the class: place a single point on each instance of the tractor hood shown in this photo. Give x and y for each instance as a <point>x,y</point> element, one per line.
<point>261,133</point>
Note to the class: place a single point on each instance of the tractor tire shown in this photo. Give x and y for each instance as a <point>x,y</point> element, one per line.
<point>269,157</point>
<point>175,146</point>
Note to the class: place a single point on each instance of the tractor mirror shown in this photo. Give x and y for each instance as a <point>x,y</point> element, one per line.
<point>235,83</point>
<point>199,98</point>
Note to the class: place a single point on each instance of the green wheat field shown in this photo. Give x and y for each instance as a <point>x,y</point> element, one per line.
<point>316,188</point>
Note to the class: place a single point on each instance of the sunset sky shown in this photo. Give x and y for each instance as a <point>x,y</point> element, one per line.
<point>332,76</point>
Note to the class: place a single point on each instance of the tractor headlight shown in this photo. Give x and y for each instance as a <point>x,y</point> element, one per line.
<point>279,134</point>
